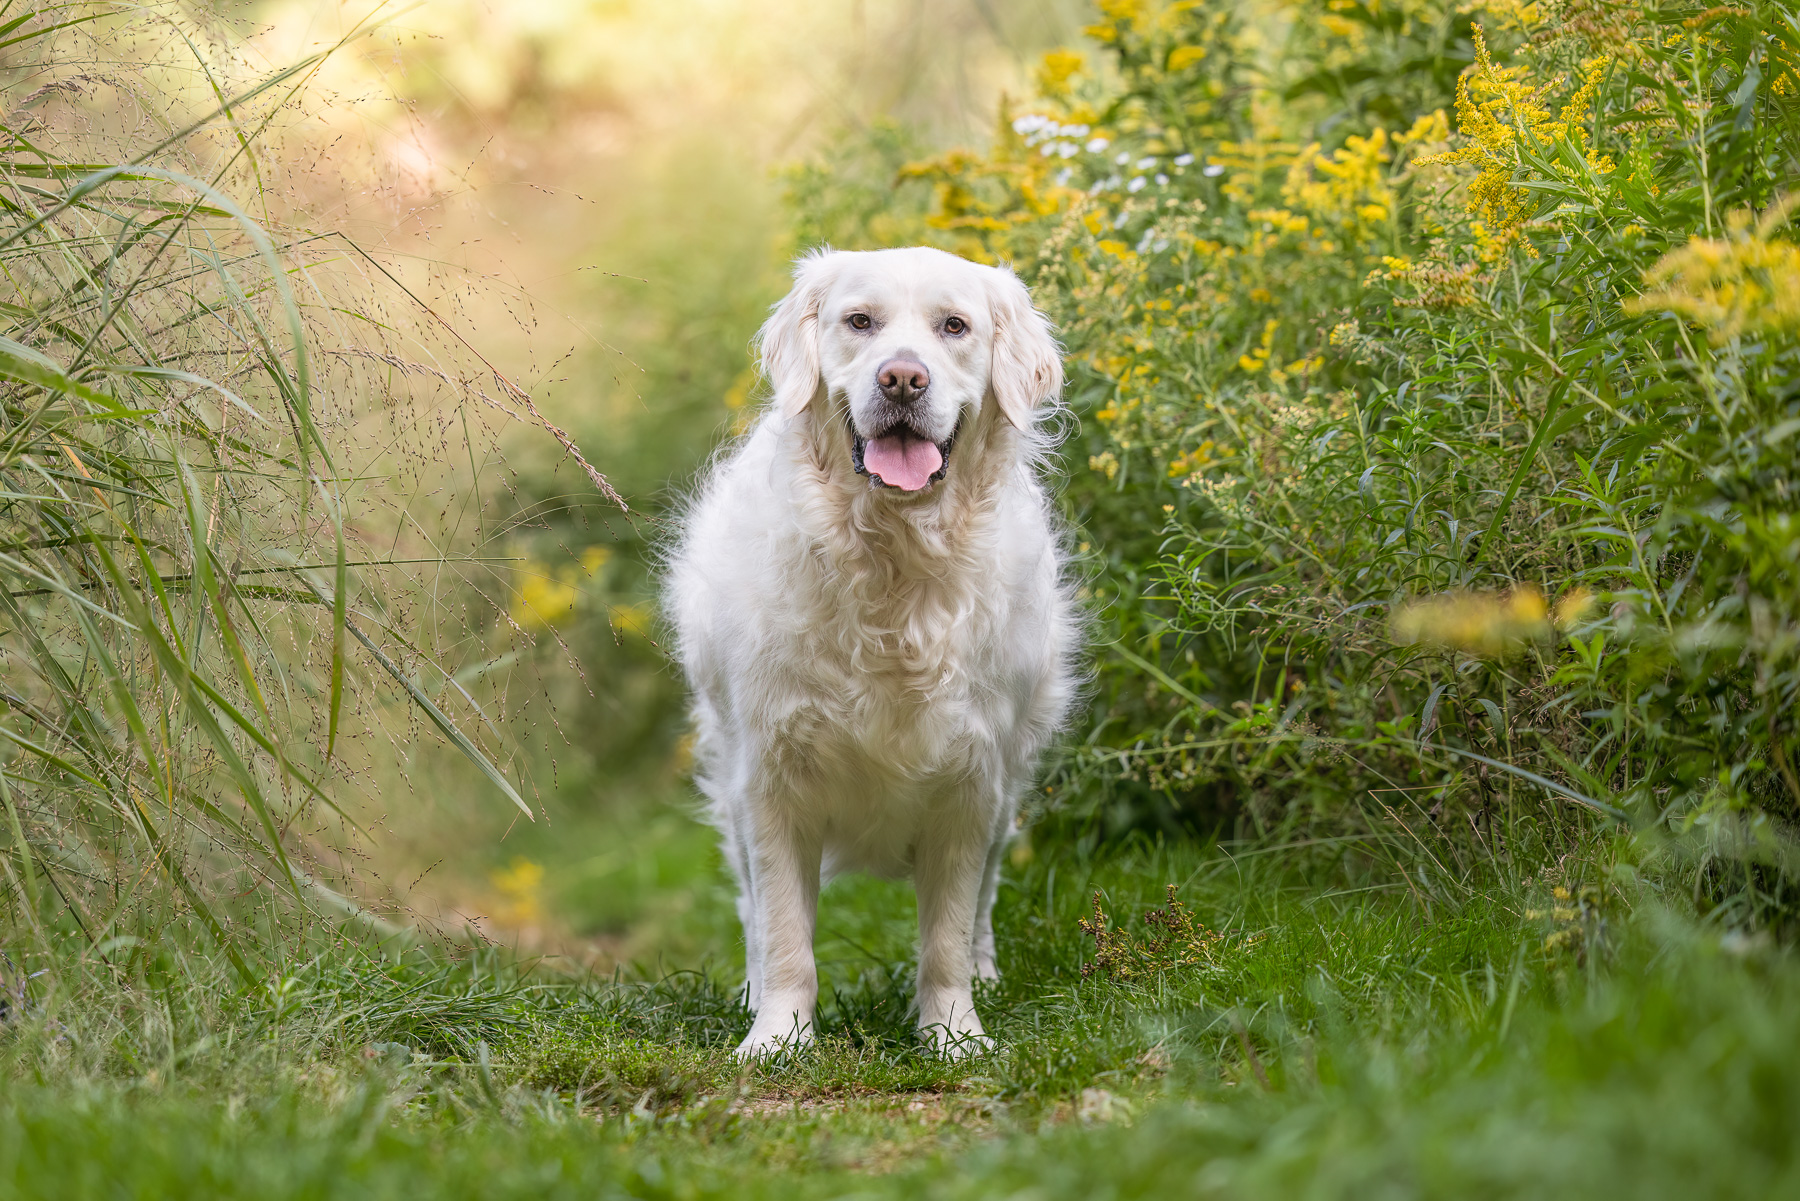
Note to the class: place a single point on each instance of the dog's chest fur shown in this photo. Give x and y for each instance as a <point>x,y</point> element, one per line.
<point>891,657</point>
<point>898,690</point>
<point>861,663</point>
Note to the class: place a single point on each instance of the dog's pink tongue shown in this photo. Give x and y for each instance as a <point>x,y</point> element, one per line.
<point>902,462</point>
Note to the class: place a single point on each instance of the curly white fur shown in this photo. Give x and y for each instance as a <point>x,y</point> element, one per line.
<point>875,672</point>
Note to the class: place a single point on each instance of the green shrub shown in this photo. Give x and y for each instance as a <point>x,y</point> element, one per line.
<point>1437,381</point>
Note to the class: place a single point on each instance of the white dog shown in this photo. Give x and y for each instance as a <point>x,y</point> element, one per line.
<point>870,606</point>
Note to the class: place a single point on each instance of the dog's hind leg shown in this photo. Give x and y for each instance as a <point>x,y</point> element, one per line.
<point>986,965</point>
<point>738,858</point>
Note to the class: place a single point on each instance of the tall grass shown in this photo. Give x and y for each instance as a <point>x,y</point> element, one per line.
<point>214,439</point>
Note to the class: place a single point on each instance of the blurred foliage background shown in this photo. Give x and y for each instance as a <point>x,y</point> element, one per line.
<point>1430,432</point>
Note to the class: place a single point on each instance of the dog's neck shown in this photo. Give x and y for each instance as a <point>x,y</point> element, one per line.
<point>908,567</point>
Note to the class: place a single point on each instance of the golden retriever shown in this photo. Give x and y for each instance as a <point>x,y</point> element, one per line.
<point>871,607</point>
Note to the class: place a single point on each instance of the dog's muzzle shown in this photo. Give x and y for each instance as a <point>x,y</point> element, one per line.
<point>900,458</point>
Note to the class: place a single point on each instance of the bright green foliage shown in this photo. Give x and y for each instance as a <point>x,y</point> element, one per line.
<point>1424,413</point>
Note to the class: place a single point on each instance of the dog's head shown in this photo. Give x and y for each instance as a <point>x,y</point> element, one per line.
<point>905,347</point>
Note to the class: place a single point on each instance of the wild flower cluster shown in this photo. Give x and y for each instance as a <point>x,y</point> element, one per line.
<point>1437,375</point>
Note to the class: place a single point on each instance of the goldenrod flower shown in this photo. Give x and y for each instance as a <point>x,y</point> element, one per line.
<point>1183,57</point>
<point>1056,71</point>
<point>1500,115</point>
<point>1571,607</point>
<point>633,619</point>
<point>548,598</point>
<point>1258,358</point>
<point>520,885</point>
<point>543,600</point>
<point>1488,624</point>
<point>1747,282</point>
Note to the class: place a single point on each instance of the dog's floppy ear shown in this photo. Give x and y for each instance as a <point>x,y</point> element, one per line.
<point>1027,368</point>
<point>788,344</point>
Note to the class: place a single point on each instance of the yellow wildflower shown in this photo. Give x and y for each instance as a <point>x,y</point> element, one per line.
<point>1183,57</point>
<point>1432,127</point>
<point>1346,187</point>
<point>1195,460</point>
<point>548,598</point>
<point>1509,14</point>
<point>1122,16</point>
<point>1747,282</point>
<point>738,395</point>
<point>543,600</point>
<point>1479,623</point>
<point>1500,116</point>
<point>1258,358</point>
<point>633,619</point>
<point>1057,69</point>
<point>1438,285</point>
<point>1571,607</point>
<point>520,885</point>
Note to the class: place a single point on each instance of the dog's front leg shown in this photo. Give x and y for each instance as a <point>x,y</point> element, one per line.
<point>948,866</point>
<point>784,897</point>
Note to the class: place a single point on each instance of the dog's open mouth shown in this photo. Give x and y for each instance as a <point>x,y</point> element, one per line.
<point>900,458</point>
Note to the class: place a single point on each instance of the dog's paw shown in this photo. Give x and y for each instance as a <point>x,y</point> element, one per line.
<point>772,1039</point>
<point>952,1044</point>
<point>953,1029</point>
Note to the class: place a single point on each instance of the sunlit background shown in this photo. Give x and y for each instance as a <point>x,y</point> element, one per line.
<point>592,194</point>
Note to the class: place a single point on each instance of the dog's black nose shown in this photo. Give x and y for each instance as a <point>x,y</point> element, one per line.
<point>903,380</point>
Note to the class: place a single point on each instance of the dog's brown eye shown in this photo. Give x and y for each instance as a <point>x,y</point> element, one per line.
<point>860,321</point>
<point>955,325</point>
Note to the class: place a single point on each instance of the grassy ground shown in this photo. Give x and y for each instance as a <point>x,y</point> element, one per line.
<point>1340,1019</point>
